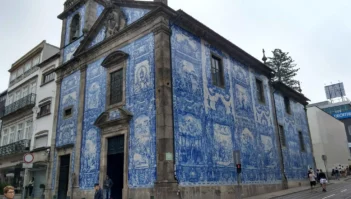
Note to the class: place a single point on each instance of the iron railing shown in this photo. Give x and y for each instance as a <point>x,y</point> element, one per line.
<point>15,148</point>
<point>26,101</point>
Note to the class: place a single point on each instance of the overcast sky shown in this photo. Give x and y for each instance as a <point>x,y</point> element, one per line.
<point>316,33</point>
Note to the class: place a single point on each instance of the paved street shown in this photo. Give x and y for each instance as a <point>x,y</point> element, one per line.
<point>340,190</point>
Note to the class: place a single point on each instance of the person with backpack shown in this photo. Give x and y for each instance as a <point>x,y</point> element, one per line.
<point>312,178</point>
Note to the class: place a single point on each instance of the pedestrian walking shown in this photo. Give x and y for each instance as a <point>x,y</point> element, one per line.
<point>323,180</point>
<point>108,183</point>
<point>31,186</point>
<point>337,173</point>
<point>98,192</point>
<point>9,192</point>
<point>312,178</point>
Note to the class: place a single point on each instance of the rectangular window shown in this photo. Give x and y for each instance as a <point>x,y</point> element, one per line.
<point>27,66</point>
<point>302,143</point>
<point>36,60</point>
<point>5,138</point>
<point>25,91</point>
<point>44,109</point>
<point>28,133</point>
<point>20,131</point>
<point>67,112</point>
<point>18,95</point>
<point>260,91</point>
<point>116,88</point>
<point>19,71</point>
<point>13,134</point>
<point>33,88</point>
<point>41,141</point>
<point>287,105</point>
<point>13,76</point>
<point>10,99</point>
<point>217,72</point>
<point>282,135</point>
<point>48,77</point>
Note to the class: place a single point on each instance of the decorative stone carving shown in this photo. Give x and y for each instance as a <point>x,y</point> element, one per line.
<point>115,21</point>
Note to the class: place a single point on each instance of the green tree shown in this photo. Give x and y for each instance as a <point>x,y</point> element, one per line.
<point>285,68</point>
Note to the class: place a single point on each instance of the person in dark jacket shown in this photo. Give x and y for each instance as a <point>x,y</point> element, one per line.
<point>323,180</point>
<point>98,192</point>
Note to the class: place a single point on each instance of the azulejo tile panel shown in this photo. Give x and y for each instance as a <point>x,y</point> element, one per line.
<point>99,9</point>
<point>296,162</point>
<point>81,12</point>
<point>140,101</point>
<point>66,130</point>
<point>99,37</point>
<point>133,14</point>
<point>70,50</point>
<point>91,139</point>
<point>223,120</point>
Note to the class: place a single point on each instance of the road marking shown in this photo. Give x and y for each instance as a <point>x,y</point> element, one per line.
<point>329,196</point>
<point>344,190</point>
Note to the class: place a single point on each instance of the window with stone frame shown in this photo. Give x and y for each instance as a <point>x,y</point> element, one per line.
<point>116,87</point>
<point>12,134</point>
<point>20,130</point>
<point>5,137</point>
<point>41,140</point>
<point>75,28</point>
<point>44,109</point>
<point>28,133</point>
<point>260,91</point>
<point>217,71</point>
<point>287,105</point>
<point>48,77</point>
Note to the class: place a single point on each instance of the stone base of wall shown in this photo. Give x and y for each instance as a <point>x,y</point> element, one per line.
<point>298,183</point>
<point>172,191</point>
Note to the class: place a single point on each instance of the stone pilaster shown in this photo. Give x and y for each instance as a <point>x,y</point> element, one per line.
<point>278,140</point>
<point>78,145</point>
<point>48,190</point>
<point>166,185</point>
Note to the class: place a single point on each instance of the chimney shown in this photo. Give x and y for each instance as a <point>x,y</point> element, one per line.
<point>162,1</point>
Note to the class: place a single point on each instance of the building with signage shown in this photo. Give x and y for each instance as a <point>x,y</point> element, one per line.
<point>22,131</point>
<point>159,102</point>
<point>341,111</point>
<point>328,138</point>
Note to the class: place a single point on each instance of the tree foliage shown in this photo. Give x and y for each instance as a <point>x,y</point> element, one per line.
<point>285,68</point>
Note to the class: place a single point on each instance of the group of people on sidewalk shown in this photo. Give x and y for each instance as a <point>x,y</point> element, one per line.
<point>340,171</point>
<point>320,177</point>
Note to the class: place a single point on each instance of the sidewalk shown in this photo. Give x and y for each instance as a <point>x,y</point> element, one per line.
<point>293,190</point>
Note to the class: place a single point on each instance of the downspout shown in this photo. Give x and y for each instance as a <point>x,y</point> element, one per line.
<point>284,179</point>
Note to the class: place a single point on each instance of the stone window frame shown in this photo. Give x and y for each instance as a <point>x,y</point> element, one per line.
<point>287,105</point>
<point>282,135</point>
<point>301,141</point>
<point>42,105</point>
<point>41,134</point>
<point>71,35</point>
<point>113,62</point>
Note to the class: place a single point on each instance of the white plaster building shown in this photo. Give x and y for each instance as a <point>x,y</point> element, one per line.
<point>23,130</point>
<point>328,138</point>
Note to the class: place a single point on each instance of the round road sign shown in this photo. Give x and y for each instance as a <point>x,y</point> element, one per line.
<point>28,158</point>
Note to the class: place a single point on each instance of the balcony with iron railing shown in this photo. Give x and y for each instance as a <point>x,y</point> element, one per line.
<point>18,147</point>
<point>21,104</point>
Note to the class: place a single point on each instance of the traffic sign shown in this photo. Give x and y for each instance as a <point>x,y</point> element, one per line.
<point>28,158</point>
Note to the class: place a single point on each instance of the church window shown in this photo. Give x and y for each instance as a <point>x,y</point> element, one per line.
<point>75,28</point>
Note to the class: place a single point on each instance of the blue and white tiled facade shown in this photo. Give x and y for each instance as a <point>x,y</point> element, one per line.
<point>94,105</point>
<point>133,14</point>
<point>210,122</point>
<point>66,130</point>
<point>296,162</point>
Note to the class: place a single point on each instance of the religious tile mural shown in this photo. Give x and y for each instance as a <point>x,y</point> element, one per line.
<point>66,130</point>
<point>140,101</point>
<point>69,50</point>
<point>296,161</point>
<point>133,14</point>
<point>81,12</point>
<point>91,141</point>
<point>211,122</point>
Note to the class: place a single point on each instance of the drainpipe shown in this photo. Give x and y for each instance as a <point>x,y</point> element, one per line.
<point>284,180</point>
